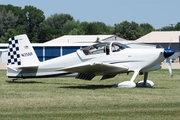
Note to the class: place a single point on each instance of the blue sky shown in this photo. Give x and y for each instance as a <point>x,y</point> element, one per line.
<point>158,13</point>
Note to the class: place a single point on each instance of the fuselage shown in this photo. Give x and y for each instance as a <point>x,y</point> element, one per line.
<point>144,59</point>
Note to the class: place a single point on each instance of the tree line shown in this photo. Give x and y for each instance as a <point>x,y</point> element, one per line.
<point>30,20</point>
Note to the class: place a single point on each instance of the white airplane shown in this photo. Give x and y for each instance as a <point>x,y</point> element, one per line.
<point>107,59</point>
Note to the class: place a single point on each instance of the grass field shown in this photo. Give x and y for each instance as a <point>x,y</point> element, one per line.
<point>70,98</point>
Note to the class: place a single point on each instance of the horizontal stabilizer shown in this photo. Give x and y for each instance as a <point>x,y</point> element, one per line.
<point>27,67</point>
<point>21,67</point>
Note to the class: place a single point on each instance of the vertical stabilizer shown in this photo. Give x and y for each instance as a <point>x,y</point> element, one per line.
<point>20,52</point>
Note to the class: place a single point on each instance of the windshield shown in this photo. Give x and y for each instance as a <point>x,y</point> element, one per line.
<point>118,47</point>
<point>95,49</point>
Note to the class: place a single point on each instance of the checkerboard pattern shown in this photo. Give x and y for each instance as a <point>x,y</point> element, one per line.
<point>13,52</point>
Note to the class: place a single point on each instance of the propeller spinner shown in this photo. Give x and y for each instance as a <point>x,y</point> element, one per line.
<point>168,53</point>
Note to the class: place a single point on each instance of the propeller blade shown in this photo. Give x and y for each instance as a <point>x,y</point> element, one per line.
<point>160,45</point>
<point>169,45</point>
<point>169,66</point>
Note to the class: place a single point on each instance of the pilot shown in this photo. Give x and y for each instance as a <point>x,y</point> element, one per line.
<point>107,50</point>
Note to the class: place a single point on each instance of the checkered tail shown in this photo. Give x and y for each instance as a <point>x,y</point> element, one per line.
<point>13,52</point>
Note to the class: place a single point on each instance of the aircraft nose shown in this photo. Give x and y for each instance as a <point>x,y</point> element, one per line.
<point>168,53</point>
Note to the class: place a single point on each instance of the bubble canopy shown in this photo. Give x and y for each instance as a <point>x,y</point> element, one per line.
<point>104,47</point>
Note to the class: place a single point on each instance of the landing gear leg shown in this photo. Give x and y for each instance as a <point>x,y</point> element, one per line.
<point>145,82</point>
<point>145,79</point>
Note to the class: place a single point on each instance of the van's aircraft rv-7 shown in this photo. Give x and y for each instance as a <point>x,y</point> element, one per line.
<point>106,58</point>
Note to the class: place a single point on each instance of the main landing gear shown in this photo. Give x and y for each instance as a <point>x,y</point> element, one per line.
<point>131,84</point>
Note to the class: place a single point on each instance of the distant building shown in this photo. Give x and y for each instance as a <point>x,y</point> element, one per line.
<point>3,55</point>
<point>165,39</point>
<point>85,39</point>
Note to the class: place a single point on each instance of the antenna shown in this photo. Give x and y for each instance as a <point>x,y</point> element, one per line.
<point>171,26</point>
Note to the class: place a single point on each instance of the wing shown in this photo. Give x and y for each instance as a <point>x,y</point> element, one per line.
<point>96,68</point>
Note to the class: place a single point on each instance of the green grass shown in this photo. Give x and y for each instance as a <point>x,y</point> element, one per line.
<point>74,99</point>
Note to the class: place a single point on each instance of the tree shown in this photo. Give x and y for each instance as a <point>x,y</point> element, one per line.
<point>177,27</point>
<point>46,33</point>
<point>146,28</point>
<point>103,29</point>
<point>10,33</point>
<point>111,29</point>
<point>77,31</point>
<point>21,29</point>
<point>92,29</point>
<point>84,27</point>
<point>7,20</point>
<point>10,20</point>
<point>70,25</point>
<point>167,28</point>
<point>95,28</point>
<point>18,11</point>
<point>34,18</point>
<point>2,14</point>
<point>60,24</point>
<point>20,25</point>
<point>127,30</point>
<point>57,21</point>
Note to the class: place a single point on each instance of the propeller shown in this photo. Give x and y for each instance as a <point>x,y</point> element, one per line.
<point>167,54</point>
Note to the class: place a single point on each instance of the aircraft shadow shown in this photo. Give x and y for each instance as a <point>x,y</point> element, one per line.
<point>23,82</point>
<point>89,87</point>
<point>18,81</point>
<point>75,86</point>
<point>67,85</point>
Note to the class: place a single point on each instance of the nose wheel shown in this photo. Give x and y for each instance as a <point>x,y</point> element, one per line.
<point>145,82</point>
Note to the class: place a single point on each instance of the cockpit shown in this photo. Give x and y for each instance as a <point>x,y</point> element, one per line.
<point>104,47</point>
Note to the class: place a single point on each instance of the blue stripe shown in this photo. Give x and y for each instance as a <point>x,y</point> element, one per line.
<point>123,62</point>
